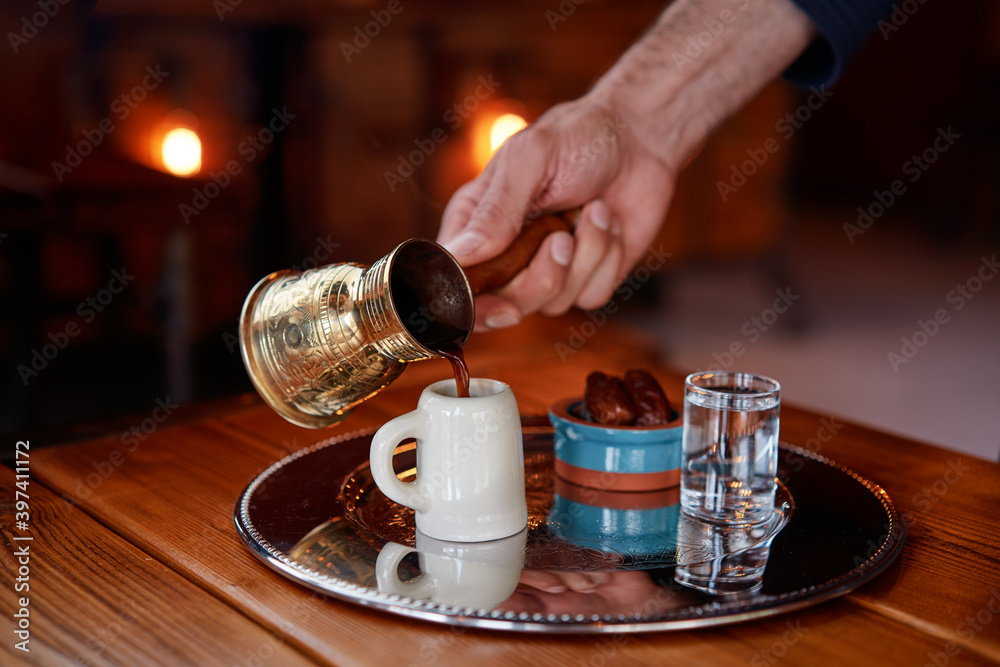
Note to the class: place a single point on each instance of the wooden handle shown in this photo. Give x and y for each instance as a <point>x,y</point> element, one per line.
<point>496,272</point>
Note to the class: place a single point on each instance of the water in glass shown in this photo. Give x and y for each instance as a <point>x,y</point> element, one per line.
<point>730,454</point>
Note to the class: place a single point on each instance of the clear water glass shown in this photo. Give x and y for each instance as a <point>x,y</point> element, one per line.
<point>730,447</point>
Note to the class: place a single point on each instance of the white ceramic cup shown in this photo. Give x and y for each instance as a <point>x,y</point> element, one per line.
<point>460,574</point>
<point>470,462</point>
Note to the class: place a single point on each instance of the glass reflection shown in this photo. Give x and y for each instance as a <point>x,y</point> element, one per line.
<point>724,559</point>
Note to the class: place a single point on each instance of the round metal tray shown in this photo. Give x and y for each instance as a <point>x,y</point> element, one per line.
<point>588,562</point>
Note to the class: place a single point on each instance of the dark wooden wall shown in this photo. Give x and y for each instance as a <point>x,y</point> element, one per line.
<point>318,191</point>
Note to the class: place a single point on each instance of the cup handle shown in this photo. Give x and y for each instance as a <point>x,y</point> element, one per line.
<point>387,574</point>
<point>411,425</point>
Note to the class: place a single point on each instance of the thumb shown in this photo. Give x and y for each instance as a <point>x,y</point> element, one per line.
<point>496,216</point>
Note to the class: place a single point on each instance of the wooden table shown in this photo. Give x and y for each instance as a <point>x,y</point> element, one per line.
<point>134,558</point>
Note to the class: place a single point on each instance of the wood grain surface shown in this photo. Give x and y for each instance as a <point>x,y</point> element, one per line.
<point>144,538</point>
<point>95,599</point>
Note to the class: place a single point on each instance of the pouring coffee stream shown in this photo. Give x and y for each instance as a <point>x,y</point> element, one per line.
<point>497,272</point>
<point>318,343</point>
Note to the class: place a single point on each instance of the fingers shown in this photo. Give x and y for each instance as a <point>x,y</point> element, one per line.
<point>581,270</point>
<point>459,208</point>
<point>483,219</point>
<point>582,582</point>
<point>642,223</point>
<point>545,275</point>
<point>596,261</point>
<point>538,167</point>
<point>604,280</point>
<point>550,582</point>
<point>557,582</point>
<point>530,289</point>
<point>496,312</point>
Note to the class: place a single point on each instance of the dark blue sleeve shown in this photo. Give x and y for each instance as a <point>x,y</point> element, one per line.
<point>843,26</point>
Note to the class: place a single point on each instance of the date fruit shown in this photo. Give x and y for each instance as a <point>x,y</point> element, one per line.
<point>607,400</point>
<point>651,404</point>
<point>639,400</point>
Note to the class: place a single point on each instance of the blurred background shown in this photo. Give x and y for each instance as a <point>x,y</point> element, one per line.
<point>157,158</point>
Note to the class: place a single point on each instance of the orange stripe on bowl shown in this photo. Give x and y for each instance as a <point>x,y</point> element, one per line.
<point>617,481</point>
<point>618,500</point>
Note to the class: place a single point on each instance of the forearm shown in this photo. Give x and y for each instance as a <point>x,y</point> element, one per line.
<point>700,62</point>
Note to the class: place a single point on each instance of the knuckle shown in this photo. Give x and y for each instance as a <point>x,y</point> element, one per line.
<point>491,217</point>
<point>530,146</point>
<point>551,286</point>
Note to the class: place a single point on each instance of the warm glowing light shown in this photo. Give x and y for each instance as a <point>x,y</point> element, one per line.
<point>503,127</point>
<point>181,151</point>
<point>492,126</point>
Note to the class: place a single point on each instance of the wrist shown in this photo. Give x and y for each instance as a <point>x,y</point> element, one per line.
<point>700,62</point>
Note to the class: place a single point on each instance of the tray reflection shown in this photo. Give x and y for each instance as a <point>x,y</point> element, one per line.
<point>589,560</point>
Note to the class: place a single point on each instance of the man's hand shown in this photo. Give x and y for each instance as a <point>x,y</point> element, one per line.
<point>577,153</point>
<point>618,150</point>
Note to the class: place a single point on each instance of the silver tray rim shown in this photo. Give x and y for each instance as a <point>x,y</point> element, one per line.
<point>715,613</point>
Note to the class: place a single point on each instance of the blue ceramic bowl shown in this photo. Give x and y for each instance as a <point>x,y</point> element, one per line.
<point>617,458</point>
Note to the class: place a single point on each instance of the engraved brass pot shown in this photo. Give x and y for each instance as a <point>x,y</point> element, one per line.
<point>317,343</point>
